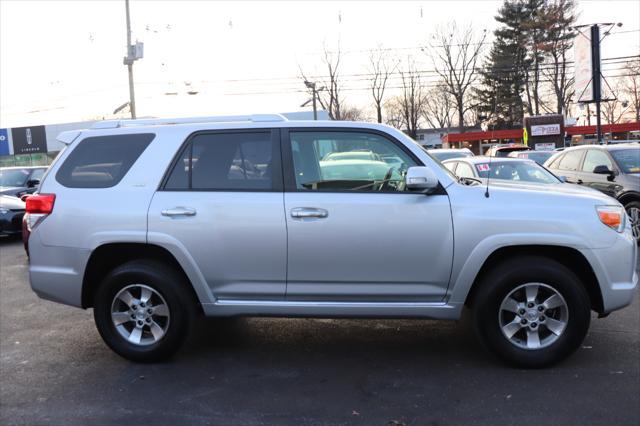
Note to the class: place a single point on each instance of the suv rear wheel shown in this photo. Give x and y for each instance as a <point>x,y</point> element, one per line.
<point>142,310</point>
<point>531,311</point>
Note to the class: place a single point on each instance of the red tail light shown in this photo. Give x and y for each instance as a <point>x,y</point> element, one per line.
<point>41,203</point>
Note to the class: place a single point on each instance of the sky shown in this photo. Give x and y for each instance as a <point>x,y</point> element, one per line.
<point>61,61</point>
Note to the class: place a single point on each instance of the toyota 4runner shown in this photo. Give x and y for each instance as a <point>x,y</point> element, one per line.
<point>153,222</point>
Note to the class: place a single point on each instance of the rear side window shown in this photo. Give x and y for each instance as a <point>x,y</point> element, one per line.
<point>102,161</point>
<point>226,162</point>
<point>570,161</point>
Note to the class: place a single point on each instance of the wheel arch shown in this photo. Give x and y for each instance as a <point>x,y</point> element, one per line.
<point>106,257</point>
<point>567,256</point>
<point>628,197</point>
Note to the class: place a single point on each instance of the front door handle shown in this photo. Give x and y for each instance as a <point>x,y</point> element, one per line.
<point>579,182</point>
<point>308,212</point>
<point>179,211</point>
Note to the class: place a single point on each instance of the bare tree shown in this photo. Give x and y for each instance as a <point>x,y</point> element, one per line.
<point>381,68</point>
<point>439,107</point>
<point>631,86</point>
<point>455,54</point>
<point>329,95</point>
<point>352,113</point>
<point>613,109</point>
<point>393,113</point>
<point>562,15</point>
<point>412,97</point>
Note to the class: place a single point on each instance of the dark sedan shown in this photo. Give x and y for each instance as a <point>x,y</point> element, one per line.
<point>11,212</point>
<point>17,181</point>
<point>612,169</point>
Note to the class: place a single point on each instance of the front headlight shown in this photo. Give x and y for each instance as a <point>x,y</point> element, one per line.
<point>612,216</point>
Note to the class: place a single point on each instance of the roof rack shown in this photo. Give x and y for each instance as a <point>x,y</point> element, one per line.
<point>256,118</point>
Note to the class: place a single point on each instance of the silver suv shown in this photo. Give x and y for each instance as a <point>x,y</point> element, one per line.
<point>154,222</point>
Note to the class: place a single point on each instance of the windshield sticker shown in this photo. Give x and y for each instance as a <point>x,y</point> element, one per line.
<point>482,167</point>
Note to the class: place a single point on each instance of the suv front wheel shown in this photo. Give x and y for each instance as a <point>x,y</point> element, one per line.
<point>531,311</point>
<point>142,310</point>
<point>633,212</point>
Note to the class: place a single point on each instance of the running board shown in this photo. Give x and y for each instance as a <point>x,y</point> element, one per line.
<point>297,308</point>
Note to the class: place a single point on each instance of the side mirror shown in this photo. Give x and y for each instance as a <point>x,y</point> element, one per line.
<point>421,179</point>
<point>563,179</point>
<point>32,183</point>
<point>601,170</point>
<point>604,170</point>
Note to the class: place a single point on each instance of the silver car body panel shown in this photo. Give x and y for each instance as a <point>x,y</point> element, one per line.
<point>371,247</point>
<point>435,245</point>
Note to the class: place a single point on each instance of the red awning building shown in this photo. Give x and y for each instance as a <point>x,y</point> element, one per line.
<point>479,142</point>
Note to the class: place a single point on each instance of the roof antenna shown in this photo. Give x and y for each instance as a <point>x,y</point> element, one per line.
<point>486,192</point>
<point>495,113</point>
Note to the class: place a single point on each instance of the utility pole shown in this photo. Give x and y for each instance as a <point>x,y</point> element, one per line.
<point>133,52</point>
<point>597,79</point>
<point>314,92</point>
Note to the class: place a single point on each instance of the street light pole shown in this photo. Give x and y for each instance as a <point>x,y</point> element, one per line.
<point>314,92</point>
<point>129,62</point>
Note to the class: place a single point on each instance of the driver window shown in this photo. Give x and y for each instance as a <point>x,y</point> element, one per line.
<point>464,170</point>
<point>595,158</point>
<point>348,161</point>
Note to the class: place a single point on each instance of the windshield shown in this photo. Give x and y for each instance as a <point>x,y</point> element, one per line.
<point>628,159</point>
<point>14,177</point>
<point>517,171</point>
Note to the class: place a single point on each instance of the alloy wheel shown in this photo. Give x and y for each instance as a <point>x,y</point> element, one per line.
<point>140,314</point>
<point>634,219</point>
<point>533,316</point>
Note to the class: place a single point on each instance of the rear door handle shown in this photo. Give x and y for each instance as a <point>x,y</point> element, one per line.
<point>179,211</point>
<point>308,212</point>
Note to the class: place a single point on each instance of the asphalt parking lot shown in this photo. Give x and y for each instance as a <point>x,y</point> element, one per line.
<point>55,369</point>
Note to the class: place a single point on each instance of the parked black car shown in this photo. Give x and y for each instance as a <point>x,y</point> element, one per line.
<point>17,181</point>
<point>612,169</point>
<point>11,212</point>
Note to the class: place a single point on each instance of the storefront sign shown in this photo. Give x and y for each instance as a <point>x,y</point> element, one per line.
<point>545,129</point>
<point>545,146</point>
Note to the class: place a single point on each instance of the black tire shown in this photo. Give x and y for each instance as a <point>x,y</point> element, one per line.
<point>628,207</point>
<point>165,281</point>
<point>508,276</point>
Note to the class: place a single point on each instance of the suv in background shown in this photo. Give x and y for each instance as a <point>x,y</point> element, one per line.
<point>538,156</point>
<point>612,169</point>
<point>168,223</point>
<point>505,150</point>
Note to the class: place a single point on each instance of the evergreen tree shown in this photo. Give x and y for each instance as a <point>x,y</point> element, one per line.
<point>505,73</point>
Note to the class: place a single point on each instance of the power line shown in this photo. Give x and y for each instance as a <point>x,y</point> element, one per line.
<point>620,59</point>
